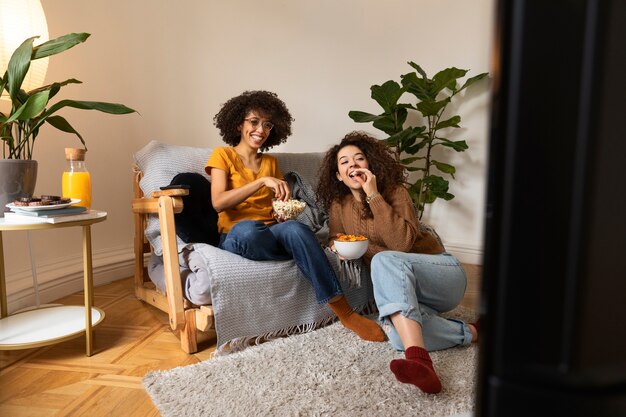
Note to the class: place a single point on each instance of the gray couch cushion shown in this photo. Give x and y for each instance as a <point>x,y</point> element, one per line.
<point>305,164</point>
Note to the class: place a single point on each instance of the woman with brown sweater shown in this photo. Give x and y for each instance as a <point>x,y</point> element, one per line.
<point>362,187</point>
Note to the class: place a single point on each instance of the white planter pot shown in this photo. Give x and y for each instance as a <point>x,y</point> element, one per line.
<point>17,179</point>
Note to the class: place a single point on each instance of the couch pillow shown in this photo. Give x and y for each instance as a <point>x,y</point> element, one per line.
<point>160,163</point>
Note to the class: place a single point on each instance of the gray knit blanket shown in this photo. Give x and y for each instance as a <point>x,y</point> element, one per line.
<point>260,300</point>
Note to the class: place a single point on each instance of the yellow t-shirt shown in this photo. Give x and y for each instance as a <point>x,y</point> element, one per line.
<point>259,205</point>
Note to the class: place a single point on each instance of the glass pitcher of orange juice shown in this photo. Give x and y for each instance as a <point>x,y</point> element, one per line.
<point>76,182</point>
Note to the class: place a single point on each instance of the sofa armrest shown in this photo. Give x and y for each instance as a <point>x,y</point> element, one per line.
<point>165,207</point>
<point>151,205</point>
<point>175,192</point>
<point>173,286</point>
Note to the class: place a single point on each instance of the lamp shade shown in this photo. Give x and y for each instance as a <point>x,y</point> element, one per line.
<point>20,20</point>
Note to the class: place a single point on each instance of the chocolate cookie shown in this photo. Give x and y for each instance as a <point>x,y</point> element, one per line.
<point>51,197</point>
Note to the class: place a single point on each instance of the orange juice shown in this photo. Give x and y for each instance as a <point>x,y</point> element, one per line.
<point>76,182</point>
<point>77,185</point>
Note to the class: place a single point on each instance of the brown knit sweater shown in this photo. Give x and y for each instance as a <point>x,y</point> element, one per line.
<point>394,226</point>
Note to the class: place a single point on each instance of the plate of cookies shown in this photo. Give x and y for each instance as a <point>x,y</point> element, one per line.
<point>45,202</point>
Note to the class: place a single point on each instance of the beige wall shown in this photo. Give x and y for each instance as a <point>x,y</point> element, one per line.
<point>177,61</point>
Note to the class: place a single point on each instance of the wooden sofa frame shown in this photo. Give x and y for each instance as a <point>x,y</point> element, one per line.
<point>184,317</point>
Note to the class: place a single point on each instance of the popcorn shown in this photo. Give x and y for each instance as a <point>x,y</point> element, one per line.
<point>289,209</point>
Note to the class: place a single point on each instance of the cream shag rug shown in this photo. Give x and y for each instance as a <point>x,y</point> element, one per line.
<point>327,372</point>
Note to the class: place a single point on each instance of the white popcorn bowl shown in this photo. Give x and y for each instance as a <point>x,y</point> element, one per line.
<point>351,250</point>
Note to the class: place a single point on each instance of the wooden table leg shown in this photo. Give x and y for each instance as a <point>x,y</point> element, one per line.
<point>88,284</point>
<point>3,287</point>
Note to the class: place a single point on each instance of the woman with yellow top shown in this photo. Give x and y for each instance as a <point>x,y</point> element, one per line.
<point>244,181</point>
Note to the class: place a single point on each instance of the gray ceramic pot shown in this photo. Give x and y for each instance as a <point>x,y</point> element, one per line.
<point>17,179</point>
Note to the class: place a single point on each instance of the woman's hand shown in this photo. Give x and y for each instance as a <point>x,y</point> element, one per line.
<point>279,187</point>
<point>333,249</point>
<point>367,179</point>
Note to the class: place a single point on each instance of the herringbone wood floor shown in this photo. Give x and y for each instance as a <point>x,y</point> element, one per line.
<point>134,338</point>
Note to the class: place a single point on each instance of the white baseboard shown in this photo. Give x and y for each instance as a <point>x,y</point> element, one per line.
<point>467,254</point>
<point>62,277</point>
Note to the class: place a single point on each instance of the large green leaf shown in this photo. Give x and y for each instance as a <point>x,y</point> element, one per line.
<point>451,122</point>
<point>412,159</point>
<point>443,167</point>
<point>58,45</point>
<point>362,117</point>
<point>404,138</point>
<point>474,79</point>
<point>430,196</point>
<point>443,195</point>
<point>447,79</point>
<point>111,108</point>
<point>33,106</point>
<point>459,145</point>
<point>418,69</point>
<point>63,125</point>
<point>386,124</point>
<point>419,87</point>
<point>415,187</point>
<point>391,124</point>
<point>3,84</point>
<point>432,108</point>
<point>387,95</point>
<point>436,183</point>
<point>18,67</point>
<point>398,138</point>
<point>55,87</point>
<point>448,196</point>
<point>412,150</point>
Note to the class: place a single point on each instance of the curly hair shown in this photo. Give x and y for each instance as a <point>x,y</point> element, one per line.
<point>230,117</point>
<point>389,172</point>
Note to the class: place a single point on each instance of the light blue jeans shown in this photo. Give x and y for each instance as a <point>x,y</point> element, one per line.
<point>282,241</point>
<point>420,287</point>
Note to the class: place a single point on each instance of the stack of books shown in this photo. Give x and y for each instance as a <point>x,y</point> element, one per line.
<point>65,214</point>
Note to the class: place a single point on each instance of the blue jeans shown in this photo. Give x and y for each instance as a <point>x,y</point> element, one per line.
<point>420,287</point>
<point>283,241</point>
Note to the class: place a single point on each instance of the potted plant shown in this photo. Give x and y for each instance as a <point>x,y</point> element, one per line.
<point>30,110</point>
<point>413,144</point>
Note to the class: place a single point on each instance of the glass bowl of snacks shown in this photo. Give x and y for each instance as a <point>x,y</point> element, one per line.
<point>288,209</point>
<point>351,246</point>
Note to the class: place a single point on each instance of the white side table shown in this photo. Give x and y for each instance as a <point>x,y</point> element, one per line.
<point>50,324</point>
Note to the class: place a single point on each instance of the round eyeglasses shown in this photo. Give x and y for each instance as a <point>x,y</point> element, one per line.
<point>255,122</point>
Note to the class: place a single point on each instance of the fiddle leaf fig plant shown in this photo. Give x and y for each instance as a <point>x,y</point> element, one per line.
<point>413,144</point>
<point>30,110</point>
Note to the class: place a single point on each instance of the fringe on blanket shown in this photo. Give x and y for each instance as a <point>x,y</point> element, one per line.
<point>349,270</point>
<point>240,343</point>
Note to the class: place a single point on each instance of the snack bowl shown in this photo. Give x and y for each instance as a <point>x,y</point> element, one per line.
<point>351,246</point>
<point>288,210</point>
